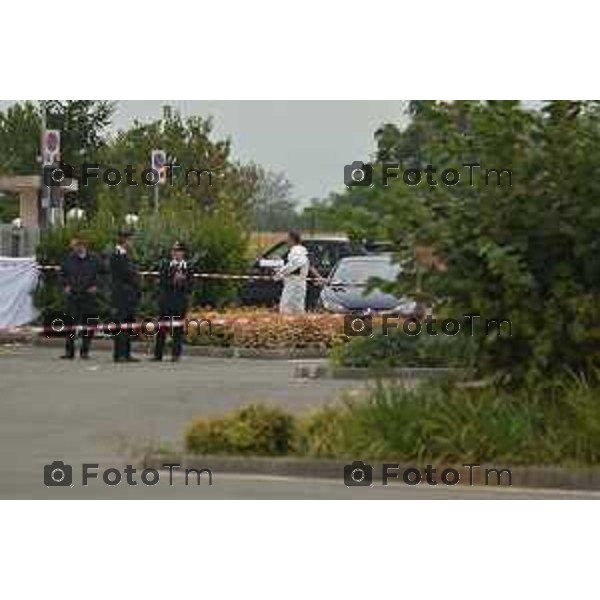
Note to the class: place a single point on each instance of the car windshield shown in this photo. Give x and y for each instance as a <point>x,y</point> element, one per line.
<point>279,251</point>
<point>360,271</point>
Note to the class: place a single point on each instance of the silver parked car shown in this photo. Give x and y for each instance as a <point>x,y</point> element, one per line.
<point>346,290</point>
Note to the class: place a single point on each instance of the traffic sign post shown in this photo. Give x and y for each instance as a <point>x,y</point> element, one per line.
<point>50,147</point>
<point>51,199</point>
<point>158,161</point>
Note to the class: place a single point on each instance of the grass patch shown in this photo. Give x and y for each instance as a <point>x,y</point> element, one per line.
<point>434,422</point>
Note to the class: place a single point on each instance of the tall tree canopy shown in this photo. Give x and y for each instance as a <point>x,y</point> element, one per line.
<point>207,179</point>
<point>83,125</point>
<point>20,134</point>
<point>528,252</point>
<point>273,206</point>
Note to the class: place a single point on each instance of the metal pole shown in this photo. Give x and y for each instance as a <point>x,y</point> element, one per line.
<point>44,198</point>
<point>156,199</point>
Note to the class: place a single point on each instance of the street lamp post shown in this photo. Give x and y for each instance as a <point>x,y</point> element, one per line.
<point>16,237</point>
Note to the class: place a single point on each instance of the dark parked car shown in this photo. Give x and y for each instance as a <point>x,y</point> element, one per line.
<point>324,253</point>
<point>346,290</point>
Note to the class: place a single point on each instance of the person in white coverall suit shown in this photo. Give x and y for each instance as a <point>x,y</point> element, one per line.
<point>294,273</point>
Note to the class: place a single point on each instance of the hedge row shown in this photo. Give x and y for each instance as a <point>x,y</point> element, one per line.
<point>216,242</point>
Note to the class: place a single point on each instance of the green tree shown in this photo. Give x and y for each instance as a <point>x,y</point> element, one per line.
<point>527,252</point>
<point>207,179</point>
<point>83,125</point>
<point>9,207</point>
<point>20,136</point>
<point>273,207</point>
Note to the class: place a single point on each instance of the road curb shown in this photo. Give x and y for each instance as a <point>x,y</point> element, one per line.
<point>521,477</point>
<point>284,467</point>
<point>262,353</point>
<point>206,351</point>
<point>318,370</point>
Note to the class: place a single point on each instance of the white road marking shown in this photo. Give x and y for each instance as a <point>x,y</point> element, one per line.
<point>591,494</point>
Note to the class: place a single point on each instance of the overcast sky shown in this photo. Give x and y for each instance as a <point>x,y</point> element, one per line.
<point>309,141</point>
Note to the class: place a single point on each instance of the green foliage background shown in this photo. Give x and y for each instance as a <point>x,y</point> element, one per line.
<point>213,220</point>
<point>527,252</point>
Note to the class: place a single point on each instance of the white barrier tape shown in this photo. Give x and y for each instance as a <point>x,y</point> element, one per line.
<point>197,275</point>
<point>226,276</point>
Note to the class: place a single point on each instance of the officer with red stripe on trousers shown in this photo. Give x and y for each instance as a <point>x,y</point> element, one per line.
<point>175,285</point>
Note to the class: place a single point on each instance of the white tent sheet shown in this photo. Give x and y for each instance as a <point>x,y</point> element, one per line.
<point>18,280</point>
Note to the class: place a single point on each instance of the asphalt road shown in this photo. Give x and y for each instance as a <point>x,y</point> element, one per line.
<point>98,412</point>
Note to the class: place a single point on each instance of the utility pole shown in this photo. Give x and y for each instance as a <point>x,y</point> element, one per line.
<point>158,160</point>
<point>156,199</point>
<point>44,197</point>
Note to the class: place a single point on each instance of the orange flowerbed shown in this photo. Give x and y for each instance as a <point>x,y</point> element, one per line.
<point>263,328</point>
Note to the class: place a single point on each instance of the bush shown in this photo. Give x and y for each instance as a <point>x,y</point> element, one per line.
<point>206,436</point>
<point>439,422</point>
<point>321,432</point>
<point>216,243</point>
<point>252,430</point>
<point>400,350</point>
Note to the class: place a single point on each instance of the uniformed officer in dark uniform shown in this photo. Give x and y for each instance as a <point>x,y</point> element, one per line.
<point>80,274</point>
<point>125,296</point>
<point>175,286</point>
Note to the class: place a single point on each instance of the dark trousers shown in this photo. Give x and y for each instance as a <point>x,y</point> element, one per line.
<point>86,341</point>
<point>122,340</point>
<point>161,336</point>
<point>81,309</point>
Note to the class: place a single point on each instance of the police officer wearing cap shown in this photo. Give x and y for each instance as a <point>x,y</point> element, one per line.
<point>80,274</point>
<point>175,286</point>
<point>125,296</point>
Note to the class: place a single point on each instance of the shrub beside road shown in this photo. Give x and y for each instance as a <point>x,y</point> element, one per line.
<point>439,423</point>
